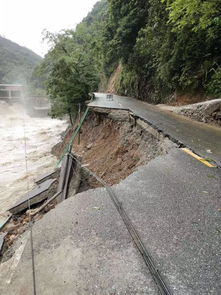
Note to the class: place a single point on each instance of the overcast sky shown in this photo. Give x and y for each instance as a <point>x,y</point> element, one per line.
<point>23,21</point>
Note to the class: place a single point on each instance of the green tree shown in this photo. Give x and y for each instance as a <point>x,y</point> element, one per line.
<point>74,65</point>
<point>197,14</point>
<point>71,75</point>
<point>125,19</point>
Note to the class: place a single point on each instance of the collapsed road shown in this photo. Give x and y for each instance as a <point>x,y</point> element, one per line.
<point>83,246</point>
<point>205,140</point>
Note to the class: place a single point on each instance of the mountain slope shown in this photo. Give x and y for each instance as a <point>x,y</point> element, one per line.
<point>16,62</point>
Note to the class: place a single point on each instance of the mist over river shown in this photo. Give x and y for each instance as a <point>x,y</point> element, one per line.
<point>41,135</point>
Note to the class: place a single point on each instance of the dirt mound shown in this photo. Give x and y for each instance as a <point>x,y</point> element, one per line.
<point>207,111</point>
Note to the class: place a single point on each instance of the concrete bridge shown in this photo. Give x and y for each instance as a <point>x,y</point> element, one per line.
<point>11,92</point>
<point>36,105</point>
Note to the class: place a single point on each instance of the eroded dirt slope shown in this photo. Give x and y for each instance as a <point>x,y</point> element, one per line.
<point>113,146</point>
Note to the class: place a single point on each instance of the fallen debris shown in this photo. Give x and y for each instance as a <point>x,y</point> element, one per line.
<point>207,111</point>
<point>34,212</point>
<point>2,240</point>
<point>70,177</point>
<point>37,195</point>
<point>70,183</point>
<point>4,218</point>
<point>44,177</point>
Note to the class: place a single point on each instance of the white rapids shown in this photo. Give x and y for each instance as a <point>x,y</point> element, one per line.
<point>41,134</point>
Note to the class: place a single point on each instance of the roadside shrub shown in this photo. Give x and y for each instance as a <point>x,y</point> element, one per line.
<point>214,86</point>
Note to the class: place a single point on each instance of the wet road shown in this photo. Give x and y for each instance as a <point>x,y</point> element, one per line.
<point>205,140</point>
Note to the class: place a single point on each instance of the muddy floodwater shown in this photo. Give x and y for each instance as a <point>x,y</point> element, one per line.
<point>41,134</point>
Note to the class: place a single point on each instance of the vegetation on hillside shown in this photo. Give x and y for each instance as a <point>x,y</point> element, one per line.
<point>16,62</point>
<point>163,47</point>
<point>72,66</point>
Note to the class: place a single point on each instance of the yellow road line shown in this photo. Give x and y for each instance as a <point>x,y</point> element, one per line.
<point>204,161</point>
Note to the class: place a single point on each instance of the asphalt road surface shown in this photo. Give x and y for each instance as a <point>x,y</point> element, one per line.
<point>203,139</point>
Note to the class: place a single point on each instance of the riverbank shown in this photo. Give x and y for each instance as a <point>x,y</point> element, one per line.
<point>41,134</point>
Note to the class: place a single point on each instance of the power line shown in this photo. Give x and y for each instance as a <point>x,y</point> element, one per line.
<point>29,207</point>
<point>161,284</point>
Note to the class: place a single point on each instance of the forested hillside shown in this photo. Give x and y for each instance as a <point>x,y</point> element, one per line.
<point>16,62</point>
<point>160,48</point>
<point>165,46</point>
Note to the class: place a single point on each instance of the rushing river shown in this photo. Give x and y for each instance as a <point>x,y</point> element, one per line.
<point>41,134</point>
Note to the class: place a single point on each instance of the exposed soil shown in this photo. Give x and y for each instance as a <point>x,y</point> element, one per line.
<point>113,146</point>
<point>184,99</point>
<point>115,77</point>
